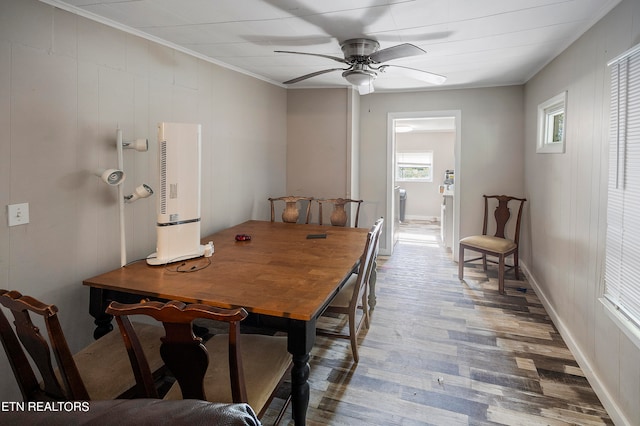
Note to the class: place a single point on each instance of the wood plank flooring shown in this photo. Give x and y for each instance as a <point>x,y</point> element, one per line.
<point>445,352</point>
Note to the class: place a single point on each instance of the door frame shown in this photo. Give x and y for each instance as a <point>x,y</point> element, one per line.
<point>391,161</point>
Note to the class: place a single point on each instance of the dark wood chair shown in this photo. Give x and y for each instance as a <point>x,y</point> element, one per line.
<point>498,245</point>
<point>353,295</point>
<point>98,372</point>
<point>231,367</point>
<point>339,215</point>
<point>291,211</point>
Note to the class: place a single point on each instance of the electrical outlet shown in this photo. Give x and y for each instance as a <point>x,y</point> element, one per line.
<point>18,214</point>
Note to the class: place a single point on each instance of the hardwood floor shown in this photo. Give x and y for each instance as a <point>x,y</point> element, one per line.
<point>445,352</point>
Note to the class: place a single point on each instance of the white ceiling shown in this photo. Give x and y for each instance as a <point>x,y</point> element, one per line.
<point>474,43</point>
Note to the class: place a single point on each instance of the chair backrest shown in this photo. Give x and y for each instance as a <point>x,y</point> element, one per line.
<point>366,262</point>
<point>502,214</point>
<point>339,216</point>
<point>291,210</point>
<point>27,333</point>
<point>183,352</point>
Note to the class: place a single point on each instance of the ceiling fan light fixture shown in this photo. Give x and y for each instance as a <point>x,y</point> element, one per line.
<point>404,129</point>
<point>359,77</point>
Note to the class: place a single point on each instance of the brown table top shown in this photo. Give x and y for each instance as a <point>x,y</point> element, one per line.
<point>279,272</point>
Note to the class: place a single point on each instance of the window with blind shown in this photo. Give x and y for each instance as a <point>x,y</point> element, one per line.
<point>414,166</point>
<point>622,278</point>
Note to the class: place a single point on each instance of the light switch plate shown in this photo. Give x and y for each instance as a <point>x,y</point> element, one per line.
<point>18,214</point>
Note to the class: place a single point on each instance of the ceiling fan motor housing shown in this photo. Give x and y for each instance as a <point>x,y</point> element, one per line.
<point>356,49</point>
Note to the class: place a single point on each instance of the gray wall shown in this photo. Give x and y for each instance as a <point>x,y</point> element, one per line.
<point>321,146</point>
<point>66,83</point>
<point>317,134</point>
<point>568,204</point>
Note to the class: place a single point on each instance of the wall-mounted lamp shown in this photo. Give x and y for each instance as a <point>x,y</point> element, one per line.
<point>140,145</point>
<point>142,191</point>
<point>111,176</point>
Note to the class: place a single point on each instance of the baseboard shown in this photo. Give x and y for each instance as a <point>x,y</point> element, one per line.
<point>605,397</point>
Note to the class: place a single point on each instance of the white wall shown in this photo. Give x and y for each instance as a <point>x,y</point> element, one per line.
<point>423,198</point>
<point>66,83</point>
<point>568,199</point>
<point>491,155</point>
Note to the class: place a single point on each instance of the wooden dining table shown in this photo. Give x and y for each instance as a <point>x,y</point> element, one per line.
<point>286,272</point>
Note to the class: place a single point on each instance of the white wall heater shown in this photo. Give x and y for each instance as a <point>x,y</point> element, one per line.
<point>178,197</point>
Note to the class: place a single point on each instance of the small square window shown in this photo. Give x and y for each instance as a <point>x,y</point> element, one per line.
<point>551,125</point>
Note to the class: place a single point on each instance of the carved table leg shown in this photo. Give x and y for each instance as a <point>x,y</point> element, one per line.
<point>301,337</point>
<point>300,388</point>
<point>103,326</point>
<point>99,299</point>
<point>97,305</point>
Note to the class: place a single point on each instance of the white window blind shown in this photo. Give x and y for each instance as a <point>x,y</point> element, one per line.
<point>622,276</point>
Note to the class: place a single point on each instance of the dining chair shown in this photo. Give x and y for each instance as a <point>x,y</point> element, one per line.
<point>339,214</point>
<point>352,297</point>
<point>231,367</point>
<point>101,371</point>
<point>291,211</point>
<point>497,245</point>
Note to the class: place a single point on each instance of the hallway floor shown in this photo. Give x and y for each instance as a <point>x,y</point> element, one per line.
<point>445,352</point>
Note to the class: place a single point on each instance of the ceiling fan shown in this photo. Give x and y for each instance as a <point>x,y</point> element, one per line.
<point>363,58</point>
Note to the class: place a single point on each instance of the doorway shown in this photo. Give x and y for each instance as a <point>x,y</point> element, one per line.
<point>422,146</point>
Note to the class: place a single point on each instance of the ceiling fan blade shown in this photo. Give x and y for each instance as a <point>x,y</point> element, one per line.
<point>335,58</point>
<point>416,37</point>
<point>396,52</point>
<point>365,89</point>
<point>313,74</point>
<point>425,76</point>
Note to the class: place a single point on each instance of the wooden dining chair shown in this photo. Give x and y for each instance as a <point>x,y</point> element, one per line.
<point>498,245</point>
<point>100,371</point>
<point>339,216</point>
<point>353,295</point>
<point>291,211</point>
<point>231,367</point>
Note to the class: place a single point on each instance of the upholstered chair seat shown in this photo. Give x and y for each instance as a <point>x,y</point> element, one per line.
<point>487,242</point>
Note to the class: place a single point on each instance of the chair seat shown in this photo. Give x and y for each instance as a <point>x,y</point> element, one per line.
<point>487,242</point>
<point>343,298</point>
<point>262,369</point>
<point>109,355</point>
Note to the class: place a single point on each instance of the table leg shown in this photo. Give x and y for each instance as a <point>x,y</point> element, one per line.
<point>99,299</point>
<point>301,337</point>
<point>97,304</point>
<point>300,388</point>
